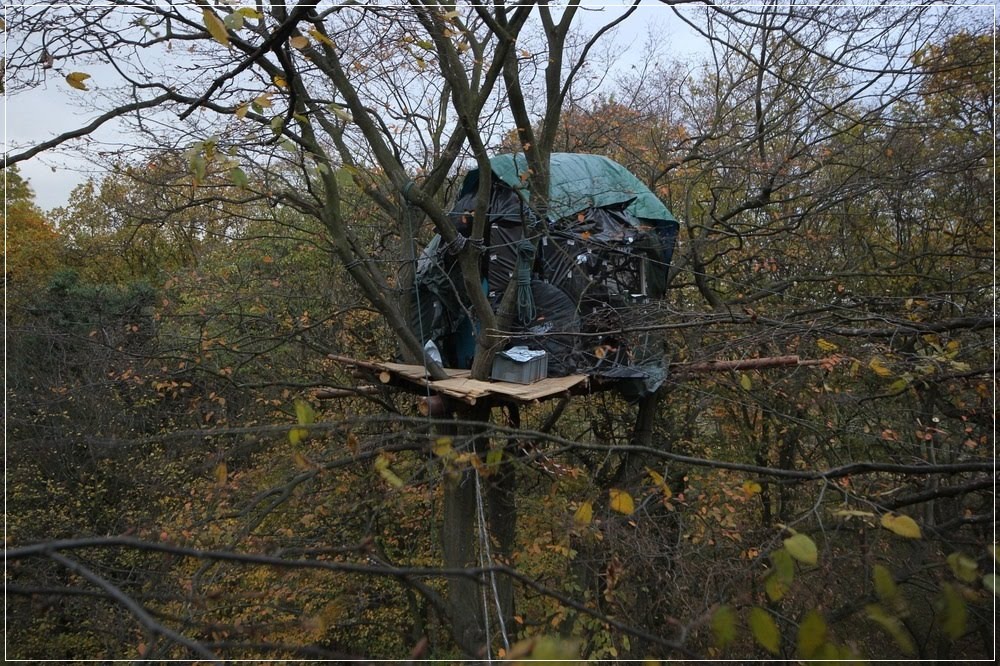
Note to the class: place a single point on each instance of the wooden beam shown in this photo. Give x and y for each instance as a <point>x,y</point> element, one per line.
<point>345,392</point>
<point>747,364</point>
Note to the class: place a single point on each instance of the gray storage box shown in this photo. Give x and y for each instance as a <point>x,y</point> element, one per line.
<point>520,365</point>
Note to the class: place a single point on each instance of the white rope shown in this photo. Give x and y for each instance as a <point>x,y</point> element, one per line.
<point>483,551</point>
<point>484,541</point>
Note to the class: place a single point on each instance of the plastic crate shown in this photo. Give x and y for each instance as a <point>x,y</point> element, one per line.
<point>520,365</point>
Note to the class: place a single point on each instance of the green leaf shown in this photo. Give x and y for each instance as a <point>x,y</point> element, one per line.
<point>233,21</point>
<point>198,166</point>
<point>723,626</point>
<point>340,113</point>
<point>899,385</point>
<point>493,458</point>
<point>775,587</point>
<point>893,626</point>
<point>249,12</point>
<point>885,588</point>
<point>802,548</point>
<point>784,565</point>
<point>277,125</point>
<point>963,566</point>
<point>304,412</point>
<point>216,28</point>
<point>955,615</point>
<point>764,630</point>
<point>812,634</point>
<point>901,525</point>
<point>990,582</point>
<point>239,177</point>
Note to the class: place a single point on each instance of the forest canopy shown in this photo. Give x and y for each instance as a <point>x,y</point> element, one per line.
<point>195,472</point>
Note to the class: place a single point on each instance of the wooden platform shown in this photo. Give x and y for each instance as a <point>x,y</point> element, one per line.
<point>460,386</point>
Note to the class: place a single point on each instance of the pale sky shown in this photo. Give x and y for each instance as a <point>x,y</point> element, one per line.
<point>52,108</point>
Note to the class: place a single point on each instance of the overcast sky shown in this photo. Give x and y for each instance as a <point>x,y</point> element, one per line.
<point>53,108</point>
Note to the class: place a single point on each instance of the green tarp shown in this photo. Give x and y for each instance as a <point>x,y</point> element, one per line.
<point>578,182</point>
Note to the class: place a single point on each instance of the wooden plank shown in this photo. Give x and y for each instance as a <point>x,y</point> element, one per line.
<point>469,390</point>
<point>419,372</point>
<point>543,388</point>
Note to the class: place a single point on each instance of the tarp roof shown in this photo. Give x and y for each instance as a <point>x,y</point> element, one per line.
<point>578,181</point>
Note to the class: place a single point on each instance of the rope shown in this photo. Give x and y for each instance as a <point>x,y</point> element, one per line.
<point>525,251</point>
<point>486,561</point>
<point>483,563</point>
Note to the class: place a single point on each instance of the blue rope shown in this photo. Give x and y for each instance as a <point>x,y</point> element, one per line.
<point>525,250</point>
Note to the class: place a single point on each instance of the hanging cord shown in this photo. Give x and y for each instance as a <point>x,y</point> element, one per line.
<point>486,561</point>
<point>525,250</point>
<point>483,563</point>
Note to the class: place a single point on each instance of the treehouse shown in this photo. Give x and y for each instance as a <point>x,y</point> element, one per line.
<point>584,272</point>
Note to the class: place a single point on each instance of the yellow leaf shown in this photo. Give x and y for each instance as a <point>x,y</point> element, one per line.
<point>391,478</point>
<point>801,548</point>
<point>902,525</point>
<point>826,345</point>
<point>442,447</point>
<point>660,483</point>
<point>221,474</point>
<point>76,79</point>
<point>745,381</point>
<point>249,12</point>
<point>320,37</point>
<point>584,514</point>
<point>963,566</point>
<point>751,488</point>
<point>280,81</point>
<point>301,461</point>
<point>879,367</point>
<point>299,42</point>
<point>263,101</point>
<point>241,111</point>
<point>296,435</point>
<point>216,28</point>
<point>621,502</point>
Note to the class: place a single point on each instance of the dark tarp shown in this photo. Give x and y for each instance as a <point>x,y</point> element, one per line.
<point>606,247</point>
